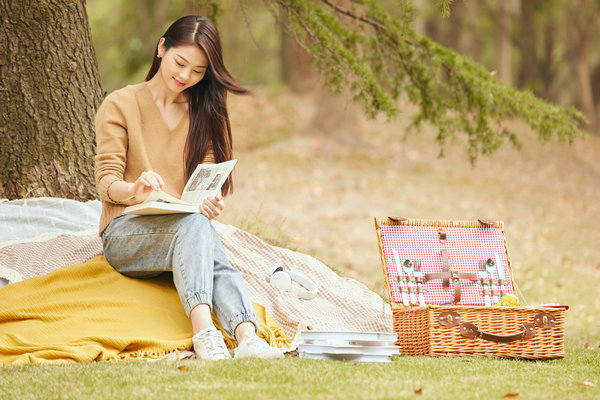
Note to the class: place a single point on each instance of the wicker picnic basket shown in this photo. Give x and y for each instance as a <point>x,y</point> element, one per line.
<point>460,326</point>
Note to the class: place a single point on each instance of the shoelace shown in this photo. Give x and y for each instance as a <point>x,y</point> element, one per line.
<point>214,345</point>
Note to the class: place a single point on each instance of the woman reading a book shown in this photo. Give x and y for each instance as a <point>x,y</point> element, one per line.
<point>150,137</point>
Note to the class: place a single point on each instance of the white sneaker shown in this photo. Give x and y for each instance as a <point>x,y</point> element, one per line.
<point>210,345</point>
<point>253,346</point>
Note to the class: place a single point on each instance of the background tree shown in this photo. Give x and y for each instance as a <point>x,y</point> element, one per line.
<point>380,57</point>
<point>583,16</point>
<point>49,91</point>
<point>50,88</point>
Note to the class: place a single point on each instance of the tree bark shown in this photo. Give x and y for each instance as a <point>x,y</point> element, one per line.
<point>49,92</point>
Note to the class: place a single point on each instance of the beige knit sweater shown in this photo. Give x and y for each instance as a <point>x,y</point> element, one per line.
<point>132,137</point>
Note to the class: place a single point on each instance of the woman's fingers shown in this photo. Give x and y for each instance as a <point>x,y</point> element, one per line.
<point>148,181</point>
<point>212,207</point>
<point>153,180</point>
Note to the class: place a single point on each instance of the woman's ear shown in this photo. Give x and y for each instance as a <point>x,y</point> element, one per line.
<point>161,47</point>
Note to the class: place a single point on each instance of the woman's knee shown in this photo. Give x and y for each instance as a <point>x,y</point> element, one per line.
<point>195,223</point>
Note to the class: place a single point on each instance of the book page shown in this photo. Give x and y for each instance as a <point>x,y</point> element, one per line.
<point>164,197</point>
<point>206,181</point>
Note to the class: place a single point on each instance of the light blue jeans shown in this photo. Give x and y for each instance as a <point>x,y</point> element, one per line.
<point>188,245</point>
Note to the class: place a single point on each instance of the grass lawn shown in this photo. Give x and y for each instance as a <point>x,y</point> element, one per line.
<point>574,377</point>
<point>318,193</point>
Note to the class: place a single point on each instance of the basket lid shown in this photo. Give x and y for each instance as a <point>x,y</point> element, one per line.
<point>459,246</point>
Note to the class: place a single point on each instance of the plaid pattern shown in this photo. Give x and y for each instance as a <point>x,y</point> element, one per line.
<point>465,246</point>
<point>342,304</point>
<point>36,258</point>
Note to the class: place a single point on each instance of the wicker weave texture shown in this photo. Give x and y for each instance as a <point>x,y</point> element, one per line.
<point>420,333</point>
<point>548,343</point>
<point>412,327</point>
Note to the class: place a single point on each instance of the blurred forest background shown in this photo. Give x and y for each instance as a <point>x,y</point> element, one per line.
<point>547,46</point>
<point>313,171</point>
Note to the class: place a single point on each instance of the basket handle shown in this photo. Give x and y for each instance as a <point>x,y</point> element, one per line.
<point>470,330</point>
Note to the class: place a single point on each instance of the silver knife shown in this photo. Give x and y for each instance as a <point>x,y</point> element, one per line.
<point>419,274</point>
<point>500,273</point>
<point>399,268</point>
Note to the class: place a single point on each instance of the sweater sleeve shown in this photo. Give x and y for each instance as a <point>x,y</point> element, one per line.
<point>111,145</point>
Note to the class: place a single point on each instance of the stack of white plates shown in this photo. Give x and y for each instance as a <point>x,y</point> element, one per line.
<point>348,346</point>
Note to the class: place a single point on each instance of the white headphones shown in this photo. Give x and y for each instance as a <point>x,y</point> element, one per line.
<point>281,279</point>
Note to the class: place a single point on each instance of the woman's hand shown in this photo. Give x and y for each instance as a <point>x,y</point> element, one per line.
<point>123,192</point>
<point>146,183</point>
<point>212,206</point>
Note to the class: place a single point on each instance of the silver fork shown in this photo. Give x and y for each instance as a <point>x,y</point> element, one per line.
<point>483,273</point>
<point>419,275</point>
<point>490,265</point>
<point>408,269</point>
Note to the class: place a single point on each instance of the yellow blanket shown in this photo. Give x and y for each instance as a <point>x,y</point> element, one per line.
<point>90,312</point>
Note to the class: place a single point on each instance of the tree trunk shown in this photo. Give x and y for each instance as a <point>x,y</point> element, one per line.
<point>474,40</point>
<point>49,92</point>
<point>503,41</point>
<point>548,66</point>
<point>580,26</point>
<point>296,69</point>
<point>458,23</point>
<point>527,42</point>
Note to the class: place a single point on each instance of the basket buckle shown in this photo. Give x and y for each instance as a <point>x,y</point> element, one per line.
<point>442,236</point>
<point>544,320</point>
<point>449,318</point>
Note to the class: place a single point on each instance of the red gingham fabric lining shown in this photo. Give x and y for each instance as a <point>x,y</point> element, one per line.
<point>466,246</point>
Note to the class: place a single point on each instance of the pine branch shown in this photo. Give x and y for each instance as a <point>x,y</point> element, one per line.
<point>381,58</point>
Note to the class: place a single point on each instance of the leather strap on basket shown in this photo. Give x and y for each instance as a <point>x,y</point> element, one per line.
<point>456,277</point>
<point>470,330</point>
<point>445,260</point>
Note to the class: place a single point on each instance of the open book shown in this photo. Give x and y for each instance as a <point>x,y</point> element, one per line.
<point>206,181</point>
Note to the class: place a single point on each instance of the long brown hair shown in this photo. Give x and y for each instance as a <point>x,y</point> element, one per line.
<point>207,100</point>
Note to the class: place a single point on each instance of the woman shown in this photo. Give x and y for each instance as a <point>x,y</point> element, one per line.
<point>151,136</point>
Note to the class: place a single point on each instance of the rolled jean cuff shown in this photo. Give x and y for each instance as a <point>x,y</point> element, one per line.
<point>243,317</point>
<point>195,299</point>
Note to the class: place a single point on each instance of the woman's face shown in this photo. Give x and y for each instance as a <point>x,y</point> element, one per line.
<point>182,66</point>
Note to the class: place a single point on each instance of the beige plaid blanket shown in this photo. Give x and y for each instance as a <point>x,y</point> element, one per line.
<point>341,304</point>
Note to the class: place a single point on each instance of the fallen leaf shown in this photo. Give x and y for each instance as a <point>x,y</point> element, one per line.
<point>419,391</point>
<point>585,383</point>
<point>182,368</point>
<point>511,395</point>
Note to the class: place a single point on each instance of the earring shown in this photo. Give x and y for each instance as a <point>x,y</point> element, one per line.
<point>158,55</point>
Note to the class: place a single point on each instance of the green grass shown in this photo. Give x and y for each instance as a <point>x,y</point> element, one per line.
<point>314,195</point>
<point>295,378</point>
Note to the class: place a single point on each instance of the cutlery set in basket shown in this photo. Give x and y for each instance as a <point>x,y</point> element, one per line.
<point>449,283</point>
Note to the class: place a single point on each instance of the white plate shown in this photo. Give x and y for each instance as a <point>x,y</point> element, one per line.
<point>349,338</point>
<point>345,357</point>
<point>349,349</point>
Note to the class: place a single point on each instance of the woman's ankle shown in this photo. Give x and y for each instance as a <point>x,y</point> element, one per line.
<point>244,329</point>
<point>201,318</point>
